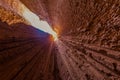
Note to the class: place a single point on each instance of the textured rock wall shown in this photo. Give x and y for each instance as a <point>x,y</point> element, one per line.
<point>89,45</point>
<point>89,42</point>
<point>25,53</point>
<point>10,17</point>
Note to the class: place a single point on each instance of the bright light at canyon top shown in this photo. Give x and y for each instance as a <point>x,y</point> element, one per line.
<point>55,36</point>
<point>35,21</point>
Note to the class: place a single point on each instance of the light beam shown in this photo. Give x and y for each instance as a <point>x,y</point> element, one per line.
<point>35,21</point>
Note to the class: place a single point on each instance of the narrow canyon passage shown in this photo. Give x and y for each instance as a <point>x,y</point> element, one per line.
<point>25,57</point>
<point>87,48</point>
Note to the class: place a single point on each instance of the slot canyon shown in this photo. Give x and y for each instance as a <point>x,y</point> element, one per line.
<point>87,48</point>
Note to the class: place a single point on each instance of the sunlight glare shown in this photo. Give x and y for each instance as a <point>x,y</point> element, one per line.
<point>35,21</point>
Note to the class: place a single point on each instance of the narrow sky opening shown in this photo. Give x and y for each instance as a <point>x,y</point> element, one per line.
<point>35,21</point>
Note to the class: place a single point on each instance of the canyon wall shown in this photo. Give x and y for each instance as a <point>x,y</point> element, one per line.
<point>89,40</point>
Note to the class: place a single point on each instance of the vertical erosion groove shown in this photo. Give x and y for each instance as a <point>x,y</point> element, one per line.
<point>88,47</point>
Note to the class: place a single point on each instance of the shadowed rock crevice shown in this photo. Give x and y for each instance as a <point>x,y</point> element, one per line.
<point>88,47</point>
